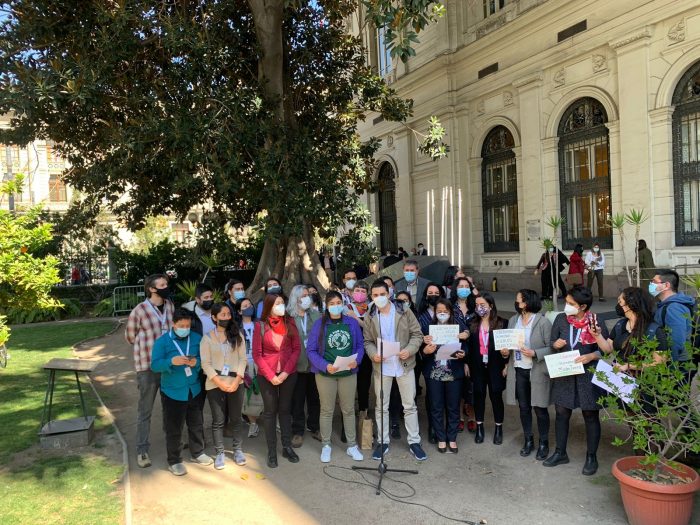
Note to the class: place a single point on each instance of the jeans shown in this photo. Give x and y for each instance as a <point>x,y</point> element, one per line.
<point>598,276</point>
<point>407,389</point>
<point>277,403</point>
<point>523,395</point>
<point>305,393</point>
<point>482,380</point>
<point>591,419</point>
<point>344,388</point>
<point>148,384</point>
<point>175,414</point>
<point>445,395</point>
<point>222,403</point>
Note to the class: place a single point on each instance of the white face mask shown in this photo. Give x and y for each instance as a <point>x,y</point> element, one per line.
<point>443,317</point>
<point>278,310</point>
<point>350,284</point>
<point>570,310</point>
<point>596,249</point>
<point>305,303</point>
<point>381,301</point>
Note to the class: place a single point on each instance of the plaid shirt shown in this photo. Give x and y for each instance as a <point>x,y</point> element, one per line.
<point>144,327</point>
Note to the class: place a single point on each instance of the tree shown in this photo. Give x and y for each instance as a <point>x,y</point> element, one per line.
<point>249,109</point>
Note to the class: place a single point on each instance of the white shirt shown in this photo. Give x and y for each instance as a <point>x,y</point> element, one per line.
<point>248,333</point>
<point>207,324</point>
<point>519,359</point>
<point>595,261</point>
<point>392,366</point>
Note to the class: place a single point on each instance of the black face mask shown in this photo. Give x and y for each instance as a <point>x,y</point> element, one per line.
<point>223,323</point>
<point>432,299</point>
<point>619,310</point>
<point>517,308</point>
<point>248,312</point>
<point>163,293</point>
<point>206,305</point>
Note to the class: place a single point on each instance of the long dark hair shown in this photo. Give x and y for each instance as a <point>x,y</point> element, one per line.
<point>424,300</point>
<point>493,313</point>
<point>326,317</point>
<point>447,304</point>
<point>268,303</point>
<point>449,277</point>
<point>641,303</point>
<point>455,284</point>
<point>232,331</point>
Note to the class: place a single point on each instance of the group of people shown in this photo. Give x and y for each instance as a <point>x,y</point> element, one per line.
<point>300,354</point>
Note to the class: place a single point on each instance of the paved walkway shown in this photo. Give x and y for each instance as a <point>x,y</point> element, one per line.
<point>483,482</point>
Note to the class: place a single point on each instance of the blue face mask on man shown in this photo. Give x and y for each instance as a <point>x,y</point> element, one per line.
<point>409,276</point>
<point>238,294</point>
<point>653,289</point>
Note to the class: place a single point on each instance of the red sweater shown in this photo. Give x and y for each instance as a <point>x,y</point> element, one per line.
<point>576,263</point>
<point>266,355</point>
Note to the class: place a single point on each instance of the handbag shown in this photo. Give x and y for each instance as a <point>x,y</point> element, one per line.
<point>574,278</point>
<point>365,431</point>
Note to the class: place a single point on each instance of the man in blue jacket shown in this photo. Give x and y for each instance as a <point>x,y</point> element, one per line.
<point>175,357</point>
<point>674,312</point>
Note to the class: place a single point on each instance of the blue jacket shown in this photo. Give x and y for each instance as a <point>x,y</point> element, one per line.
<point>675,314</point>
<point>173,381</point>
<point>315,352</point>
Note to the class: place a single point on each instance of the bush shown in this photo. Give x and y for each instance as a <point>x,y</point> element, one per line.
<point>105,308</point>
<point>164,257</point>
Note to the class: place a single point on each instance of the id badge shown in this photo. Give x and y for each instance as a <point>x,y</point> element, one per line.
<point>518,355</point>
<point>225,370</point>
<point>485,359</point>
<point>443,362</point>
<point>188,371</point>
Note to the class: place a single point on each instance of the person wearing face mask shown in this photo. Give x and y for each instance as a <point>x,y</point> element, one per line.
<point>412,283</point>
<point>552,260</point>
<point>336,335</point>
<point>201,308</point>
<point>404,298</point>
<point>235,291</point>
<point>357,308</point>
<point>272,286</point>
<point>390,283</point>
<point>674,313</point>
<point>349,280</point>
<point>316,301</point>
<point>420,250</point>
<point>147,322</point>
<point>595,264</point>
<point>527,383</point>
<point>444,380</point>
<point>572,331</point>
<point>576,267</point>
<point>276,349</point>
<point>224,362</point>
<point>486,366</point>
<point>253,400</point>
<point>463,310</point>
<point>176,358</point>
<point>305,391</point>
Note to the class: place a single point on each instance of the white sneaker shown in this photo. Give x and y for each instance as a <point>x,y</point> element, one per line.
<point>253,430</point>
<point>326,454</point>
<point>203,459</point>
<point>355,453</point>
<point>178,469</point>
<point>143,461</point>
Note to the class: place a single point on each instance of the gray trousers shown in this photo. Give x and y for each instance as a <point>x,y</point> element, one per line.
<point>344,388</point>
<point>148,383</point>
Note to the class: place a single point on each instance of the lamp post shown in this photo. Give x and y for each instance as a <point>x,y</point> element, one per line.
<point>9,176</point>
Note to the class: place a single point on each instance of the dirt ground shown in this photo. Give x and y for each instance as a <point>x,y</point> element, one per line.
<point>481,484</point>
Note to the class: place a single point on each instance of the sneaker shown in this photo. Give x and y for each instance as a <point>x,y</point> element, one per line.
<point>355,453</point>
<point>418,452</point>
<point>239,458</point>
<point>143,461</point>
<point>178,469</point>
<point>253,430</point>
<point>377,454</point>
<point>203,459</point>
<point>326,454</point>
<point>219,462</point>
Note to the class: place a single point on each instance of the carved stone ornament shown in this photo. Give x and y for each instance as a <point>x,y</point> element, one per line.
<point>480,107</point>
<point>600,63</point>
<point>507,98</point>
<point>677,32</point>
<point>560,77</point>
<point>390,141</point>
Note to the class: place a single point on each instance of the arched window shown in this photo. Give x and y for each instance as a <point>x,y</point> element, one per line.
<point>387,208</point>
<point>499,191</point>
<point>584,175</point>
<point>686,157</point>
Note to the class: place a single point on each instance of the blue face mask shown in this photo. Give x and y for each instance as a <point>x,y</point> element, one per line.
<point>181,332</point>
<point>653,290</point>
<point>409,276</point>
<point>238,294</point>
<point>335,310</point>
<point>463,293</point>
<point>274,289</point>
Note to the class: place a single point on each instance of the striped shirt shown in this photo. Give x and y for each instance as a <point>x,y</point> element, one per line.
<point>145,325</point>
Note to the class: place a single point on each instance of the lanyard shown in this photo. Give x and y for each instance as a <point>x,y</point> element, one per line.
<point>484,338</point>
<point>573,341</point>
<point>161,318</point>
<point>187,352</point>
<point>224,346</point>
<point>304,322</point>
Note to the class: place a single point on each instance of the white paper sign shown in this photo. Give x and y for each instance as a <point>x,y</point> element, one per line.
<point>444,334</point>
<point>343,363</point>
<point>620,384</point>
<point>562,364</point>
<point>511,339</point>
<point>389,348</point>
<point>445,351</point>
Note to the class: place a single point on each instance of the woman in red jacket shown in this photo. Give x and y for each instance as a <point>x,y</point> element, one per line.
<point>276,349</point>
<point>576,267</point>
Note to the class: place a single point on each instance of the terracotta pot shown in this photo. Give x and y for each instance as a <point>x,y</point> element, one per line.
<point>652,504</point>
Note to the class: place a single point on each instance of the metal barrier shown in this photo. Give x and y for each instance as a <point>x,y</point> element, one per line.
<point>125,298</point>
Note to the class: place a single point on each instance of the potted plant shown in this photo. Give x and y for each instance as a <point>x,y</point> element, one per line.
<point>664,427</point>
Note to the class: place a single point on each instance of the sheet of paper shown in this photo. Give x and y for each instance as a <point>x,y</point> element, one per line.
<point>389,348</point>
<point>562,364</point>
<point>445,351</point>
<point>616,383</point>
<point>342,363</point>
<point>511,339</point>
<point>444,334</point>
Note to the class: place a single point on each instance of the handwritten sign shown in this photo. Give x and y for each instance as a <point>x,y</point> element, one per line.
<point>444,334</point>
<point>511,339</point>
<point>562,364</point>
<point>616,383</point>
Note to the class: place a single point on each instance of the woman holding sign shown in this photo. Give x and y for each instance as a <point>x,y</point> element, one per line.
<point>528,382</point>
<point>572,332</point>
<point>443,377</point>
<point>333,338</point>
<point>486,366</point>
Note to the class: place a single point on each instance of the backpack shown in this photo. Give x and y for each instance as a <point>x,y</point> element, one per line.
<point>695,330</point>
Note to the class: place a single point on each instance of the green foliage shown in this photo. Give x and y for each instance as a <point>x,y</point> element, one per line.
<point>166,256</point>
<point>4,330</point>
<point>155,231</point>
<point>187,288</point>
<point>636,217</point>
<point>617,221</point>
<point>104,308</point>
<point>357,244</point>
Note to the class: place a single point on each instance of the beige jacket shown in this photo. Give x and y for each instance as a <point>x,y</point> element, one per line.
<point>407,330</point>
<point>212,354</point>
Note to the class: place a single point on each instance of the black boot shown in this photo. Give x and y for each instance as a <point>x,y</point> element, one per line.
<point>432,438</point>
<point>542,450</point>
<point>288,452</point>
<point>558,458</point>
<point>527,447</point>
<point>591,465</point>
<point>498,435</point>
<point>479,437</point>
<point>272,458</point>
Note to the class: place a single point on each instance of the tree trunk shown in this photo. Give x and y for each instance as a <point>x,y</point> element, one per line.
<point>267,17</point>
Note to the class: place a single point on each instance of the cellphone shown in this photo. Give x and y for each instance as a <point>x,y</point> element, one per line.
<point>593,322</point>
<point>454,354</point>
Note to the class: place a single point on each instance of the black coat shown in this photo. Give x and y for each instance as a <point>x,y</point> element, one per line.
<point>561,261</point>
<point>497,362</point>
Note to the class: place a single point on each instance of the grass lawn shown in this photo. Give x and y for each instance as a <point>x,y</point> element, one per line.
<point>50,487</point>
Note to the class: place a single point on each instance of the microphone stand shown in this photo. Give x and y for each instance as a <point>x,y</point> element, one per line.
<point>382,468</point>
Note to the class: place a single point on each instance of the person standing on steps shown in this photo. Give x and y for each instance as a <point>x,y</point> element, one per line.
<point>147,322</point>
<point>276,348</point>
<point>595,264</point>
<point>411,282</point>
<point>463,303</point>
